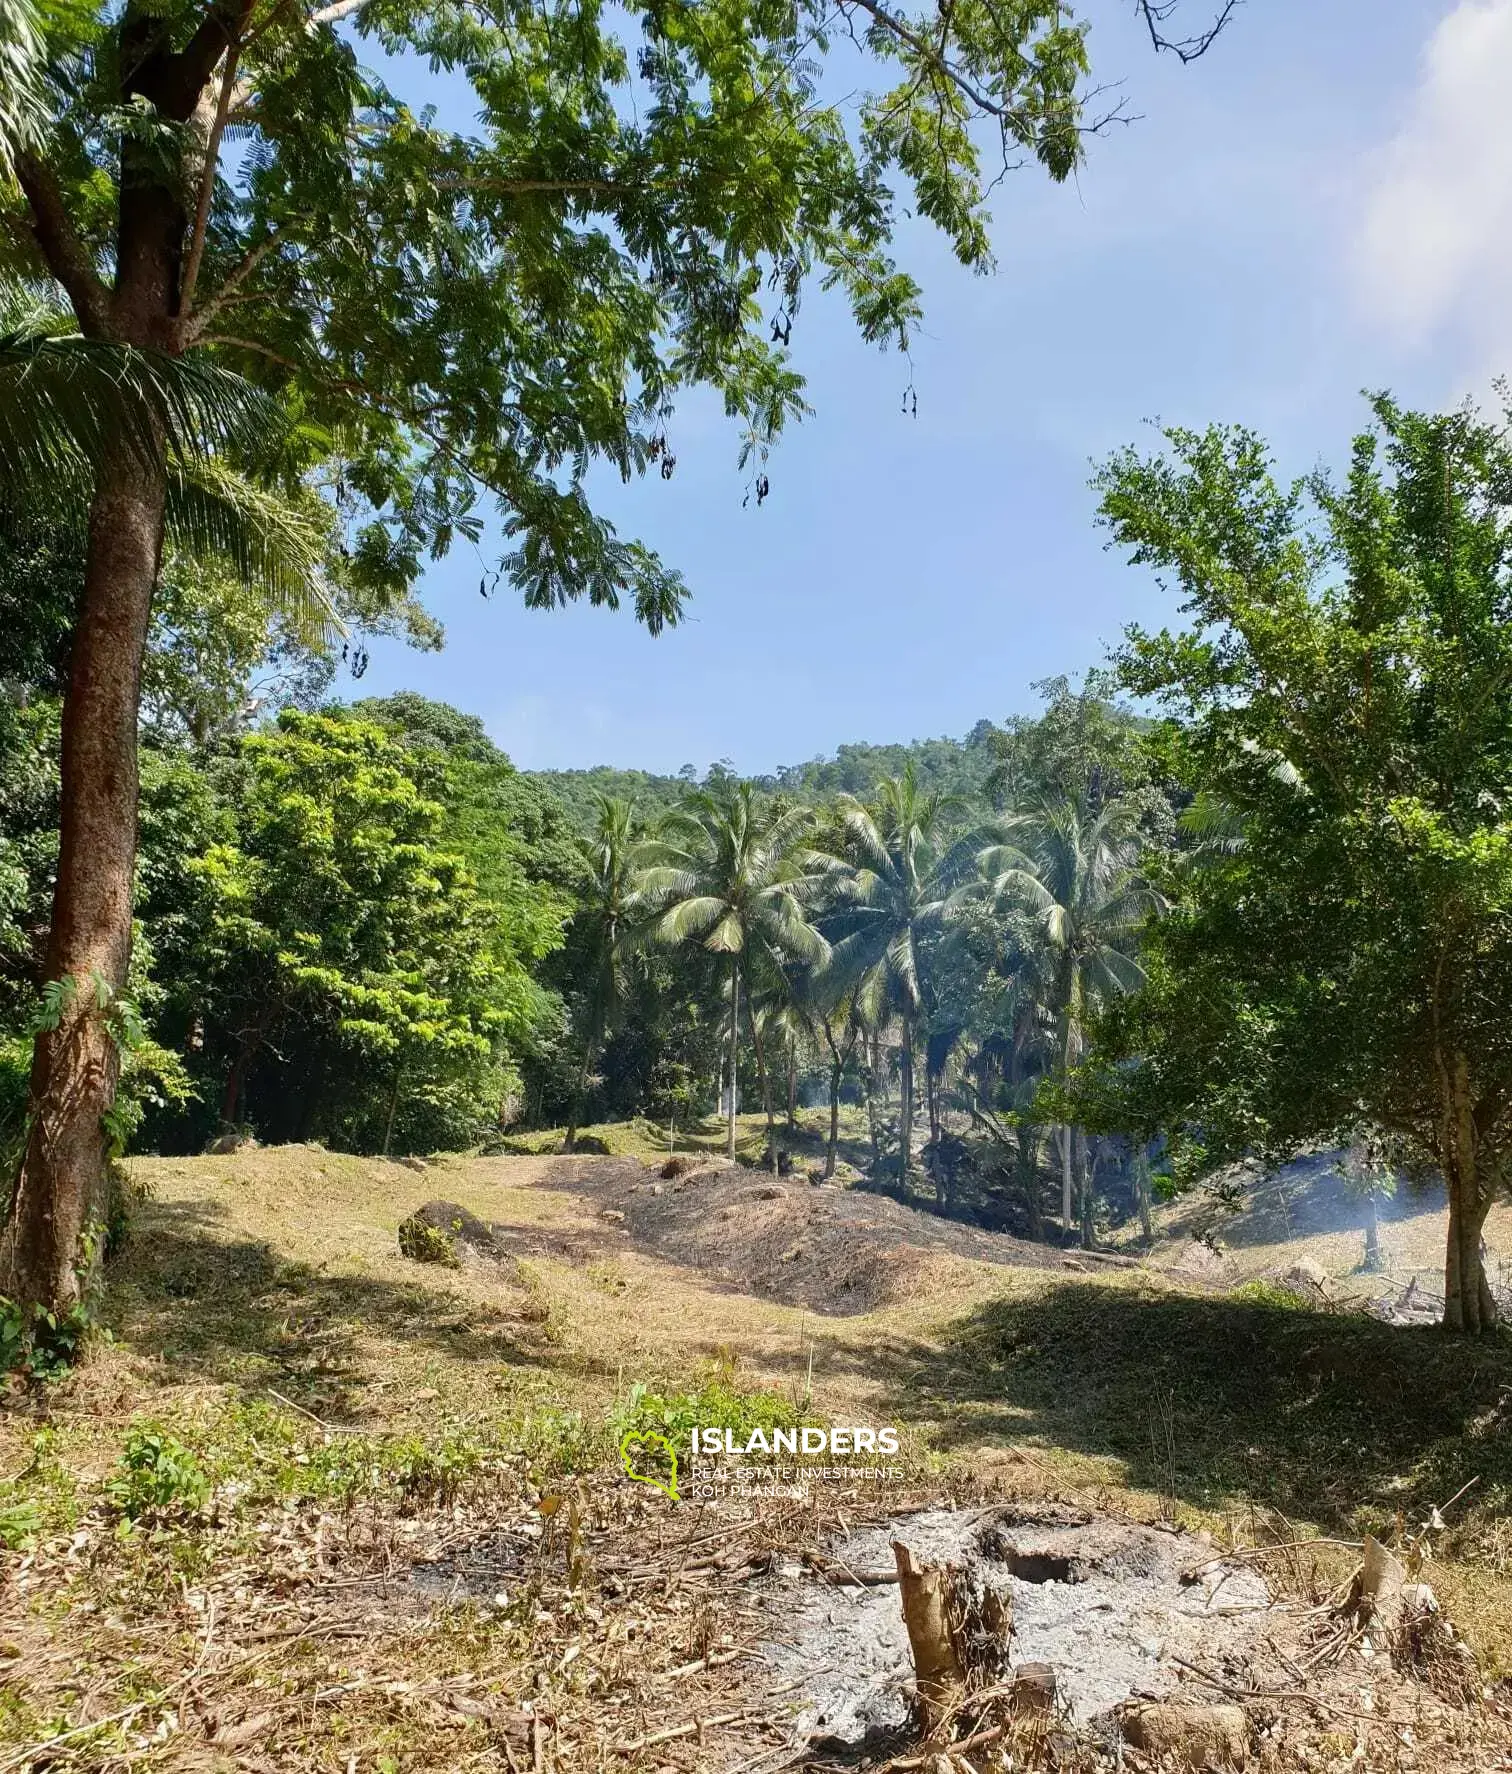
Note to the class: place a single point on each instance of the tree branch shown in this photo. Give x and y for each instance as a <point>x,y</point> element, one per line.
<point>1185,49</point>
<point>63,252</point>
<point>926,51</point>
<point>195,324</point>
<point>207,187</point>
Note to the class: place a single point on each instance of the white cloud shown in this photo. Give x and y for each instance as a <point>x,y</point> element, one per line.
<point>1434,253</point>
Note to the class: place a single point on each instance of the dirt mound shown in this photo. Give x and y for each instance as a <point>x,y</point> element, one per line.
<point>836,1251</point>
<point>445,1232</point>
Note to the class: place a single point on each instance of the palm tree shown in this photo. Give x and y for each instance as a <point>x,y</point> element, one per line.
<point>893,867</point>
<point>605,929</point>
<point>67,406</point>
<point>728,873</point>
<point>1076,873</point>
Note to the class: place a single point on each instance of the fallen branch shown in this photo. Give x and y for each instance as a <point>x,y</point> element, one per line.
<point>688,1729</point>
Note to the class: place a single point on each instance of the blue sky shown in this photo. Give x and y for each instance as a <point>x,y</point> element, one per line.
<point>1321,205</point>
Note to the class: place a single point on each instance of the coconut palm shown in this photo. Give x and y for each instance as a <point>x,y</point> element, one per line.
<point>893,866</point>
<point>729,873</point>
<point>605,930</point>
<point>1076,873</point>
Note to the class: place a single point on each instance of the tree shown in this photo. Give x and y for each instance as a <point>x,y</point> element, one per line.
<point>603,931</point>
<point>1076,872</point>
<point>1344,687</point>
<point>894,867</point>
<point>728,873</point>
<point>339,923</point>
<point>449,314</point>
<point>67,405</point>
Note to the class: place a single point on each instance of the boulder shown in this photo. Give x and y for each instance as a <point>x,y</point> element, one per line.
<point>235,1139</point>
<point>1187,1736</point>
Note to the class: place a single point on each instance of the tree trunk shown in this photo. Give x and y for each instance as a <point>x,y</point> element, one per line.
<point>393,1110</point>
<point>1468,1302</point>
<point>60,1190</point>
<point>1373,1263</point>
<point>734,1051</point>
<point>792,1085</point>
<point>580,1098</point>
<point>231,1097</point>
<point>906,1104</point>
<point>1067,1192</point>
<point>832,1149</point>
<point>1028,1160</point>
<point>1086,1193</point>
<point>758,1047</point>
<point>1142,1189</point>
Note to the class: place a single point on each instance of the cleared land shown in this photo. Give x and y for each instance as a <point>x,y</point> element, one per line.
<point>377,1575</point>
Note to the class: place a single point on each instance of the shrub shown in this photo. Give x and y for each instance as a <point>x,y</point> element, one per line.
<point>1270,1293</point>
<point>422,1242</point>
<point>157,1473</point>
<point>717,1405</point>
<point>20,1524</point>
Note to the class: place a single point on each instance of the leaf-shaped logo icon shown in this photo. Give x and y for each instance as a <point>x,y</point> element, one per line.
<point>650,1459</point>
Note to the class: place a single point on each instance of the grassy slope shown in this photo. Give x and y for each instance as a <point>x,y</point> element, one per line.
<point>270,1281</point>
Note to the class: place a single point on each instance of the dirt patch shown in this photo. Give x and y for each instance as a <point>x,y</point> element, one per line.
<point>832,1250</point>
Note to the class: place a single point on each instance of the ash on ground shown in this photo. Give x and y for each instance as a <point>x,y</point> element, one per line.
<point>1110,1605</point>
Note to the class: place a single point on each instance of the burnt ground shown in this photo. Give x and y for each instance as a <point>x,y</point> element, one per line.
<point>832,1250</point>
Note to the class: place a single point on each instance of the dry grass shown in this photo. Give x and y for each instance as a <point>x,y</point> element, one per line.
<point>355,1411</point>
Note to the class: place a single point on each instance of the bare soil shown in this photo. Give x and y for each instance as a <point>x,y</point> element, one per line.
<point>836,1251</point>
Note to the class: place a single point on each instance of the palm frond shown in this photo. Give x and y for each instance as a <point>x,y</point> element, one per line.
<point>67,399</point>
<point>690,918</point>
<point>23,91</point>
<point>214,510</point>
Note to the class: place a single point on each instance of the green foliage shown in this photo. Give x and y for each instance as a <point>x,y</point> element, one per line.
<point>718,1404</point>
<point>422,1242</point>
<point>20,1523</point>
<point>1269,1293</point>
<point>44,1344</point>
<point>1345,690</point>
<point>331,922</point>
<point>157,1474</point>
<point>638,207</point>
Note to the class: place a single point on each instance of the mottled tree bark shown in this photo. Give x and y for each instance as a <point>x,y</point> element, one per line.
<point>60,1189</point>
<point>1469,1304</point>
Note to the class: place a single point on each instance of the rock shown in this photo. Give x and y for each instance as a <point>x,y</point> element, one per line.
<point>444,1232</point>
<point>1192,1738</point>
<point>1308,1279</point>
<point>654,1189</point>
<point>1034,1687</point>
<point>1199,1260</point>
<point>612,1216</point>
<point>237,1139</point>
